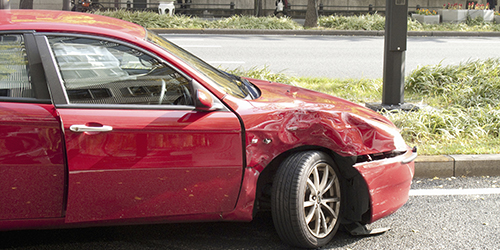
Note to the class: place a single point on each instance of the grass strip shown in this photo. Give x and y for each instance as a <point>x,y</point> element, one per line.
<point>334,22</point>
<point>460,111</point>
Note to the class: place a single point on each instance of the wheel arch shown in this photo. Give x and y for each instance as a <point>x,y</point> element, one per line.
<point>357,199</point>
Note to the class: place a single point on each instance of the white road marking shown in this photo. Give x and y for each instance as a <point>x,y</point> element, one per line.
<point>472,41</point>
<point>201,46</point>
<point>183,39</point>
<point>476,191</point>
<point>226,62</point>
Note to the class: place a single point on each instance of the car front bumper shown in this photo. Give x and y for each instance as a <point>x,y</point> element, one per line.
<point>388,182</point>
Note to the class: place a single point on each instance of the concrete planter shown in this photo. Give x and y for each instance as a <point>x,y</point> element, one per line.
<point>453,16</point>
<point>166,7</point>
<point>486,15</point>
<point>497,19</point>
<point>428,19</point>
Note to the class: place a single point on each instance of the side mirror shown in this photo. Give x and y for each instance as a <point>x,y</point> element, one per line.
<point>204,99</point>
<point>205,102</point>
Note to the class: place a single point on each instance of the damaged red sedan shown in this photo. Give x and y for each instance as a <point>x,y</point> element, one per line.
<point>102,122</point>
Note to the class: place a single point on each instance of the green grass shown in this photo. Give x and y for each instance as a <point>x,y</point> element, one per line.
<point>470,84</point>
<point>154,20</point>
<point>377,22</point>
<point>363,22</point>
<point>460,111</point>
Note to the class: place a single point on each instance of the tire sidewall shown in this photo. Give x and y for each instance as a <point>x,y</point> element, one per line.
<point>317,158</point>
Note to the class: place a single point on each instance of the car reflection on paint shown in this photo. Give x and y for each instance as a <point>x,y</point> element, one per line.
<point>103,122</point>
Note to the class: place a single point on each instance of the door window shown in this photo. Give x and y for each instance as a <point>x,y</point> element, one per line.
<point>103,72</point>
<point>14,79</point>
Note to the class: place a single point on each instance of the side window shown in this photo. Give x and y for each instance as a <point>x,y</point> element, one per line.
<point>14,77</point>
<point>103,72</point>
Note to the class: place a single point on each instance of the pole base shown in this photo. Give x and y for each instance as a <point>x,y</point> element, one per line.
<point>393,107</point>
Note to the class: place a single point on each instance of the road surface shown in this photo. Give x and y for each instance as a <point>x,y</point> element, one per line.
<point>331,56</point>
<point>445,213</point>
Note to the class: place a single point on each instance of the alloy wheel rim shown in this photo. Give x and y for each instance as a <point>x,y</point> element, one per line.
<point>321,200</point>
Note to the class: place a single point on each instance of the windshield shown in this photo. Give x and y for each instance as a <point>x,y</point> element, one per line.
<point>231,84</point>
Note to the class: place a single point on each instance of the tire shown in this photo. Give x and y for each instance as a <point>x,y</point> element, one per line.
<point>306,199</point>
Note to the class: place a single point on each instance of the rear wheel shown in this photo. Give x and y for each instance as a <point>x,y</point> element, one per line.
<point>306,199</point>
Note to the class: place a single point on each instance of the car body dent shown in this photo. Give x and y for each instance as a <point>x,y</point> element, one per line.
<point>309,118</point>
<point>286,118</point>
<point>244,209</point>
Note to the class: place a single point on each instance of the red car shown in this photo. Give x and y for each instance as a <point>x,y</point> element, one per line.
<point>103,122</point>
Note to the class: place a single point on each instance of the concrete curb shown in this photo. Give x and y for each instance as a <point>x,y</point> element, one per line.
<point>457,165</point>
<point>322,32</point>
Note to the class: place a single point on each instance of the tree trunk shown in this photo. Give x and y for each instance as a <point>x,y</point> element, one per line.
<point>258,7</point>
<point>26,4</point>
<point>311,14</point>
<point>66,5</point>
<point>4,4</point>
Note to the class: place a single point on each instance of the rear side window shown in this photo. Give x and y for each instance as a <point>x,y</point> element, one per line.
<point>14,77</point>
<point>103,72</point>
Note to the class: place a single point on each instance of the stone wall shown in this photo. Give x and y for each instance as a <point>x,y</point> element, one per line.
<point>40,4</point>
<point>267,4</point>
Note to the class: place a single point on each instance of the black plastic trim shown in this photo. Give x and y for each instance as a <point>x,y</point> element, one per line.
<point>125,106</point>
<point>379,156</point>
<point>25,100</point>
<point>53,78</point>
<point>38,81</point>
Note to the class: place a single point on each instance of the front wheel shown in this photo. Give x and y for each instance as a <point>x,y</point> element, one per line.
<point>306,199</point>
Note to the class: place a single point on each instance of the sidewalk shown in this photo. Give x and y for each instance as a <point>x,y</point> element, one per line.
<point>425,166</point>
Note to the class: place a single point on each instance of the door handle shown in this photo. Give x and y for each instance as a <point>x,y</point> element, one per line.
<point>85,128</point>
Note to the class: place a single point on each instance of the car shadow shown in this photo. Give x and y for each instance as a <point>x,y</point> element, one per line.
<point>258,234</point>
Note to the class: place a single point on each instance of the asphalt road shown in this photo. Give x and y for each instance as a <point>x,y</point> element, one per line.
<point>331,56</point>
<point>431,219</point>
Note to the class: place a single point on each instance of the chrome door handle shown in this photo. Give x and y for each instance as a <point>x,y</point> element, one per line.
<point>85,128</point>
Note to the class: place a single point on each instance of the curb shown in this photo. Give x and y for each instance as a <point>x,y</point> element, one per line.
<point>457,165</point>
<point>322,32</point>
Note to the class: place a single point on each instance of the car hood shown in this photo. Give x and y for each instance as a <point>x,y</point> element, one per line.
<point>305,117</point>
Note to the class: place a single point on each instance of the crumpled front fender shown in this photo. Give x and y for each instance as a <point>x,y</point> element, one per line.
<point>345,133</point>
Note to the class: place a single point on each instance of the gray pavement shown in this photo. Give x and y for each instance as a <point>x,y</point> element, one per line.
<point>425,166</point>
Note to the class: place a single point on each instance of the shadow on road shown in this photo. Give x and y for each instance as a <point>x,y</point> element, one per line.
<point>258,234</point>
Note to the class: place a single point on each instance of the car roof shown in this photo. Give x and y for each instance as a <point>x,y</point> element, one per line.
<point>67,21</point>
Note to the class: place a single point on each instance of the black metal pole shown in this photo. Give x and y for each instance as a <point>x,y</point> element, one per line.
<point>396,26</point>
<point>395,51</point>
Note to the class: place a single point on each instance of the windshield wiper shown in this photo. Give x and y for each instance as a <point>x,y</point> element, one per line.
<point>244,85</point>
<point>252,90</point>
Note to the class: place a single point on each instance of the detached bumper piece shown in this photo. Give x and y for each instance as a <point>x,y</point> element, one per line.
<point>357,229</point>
